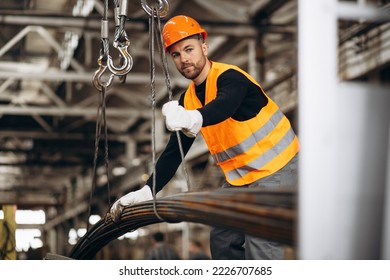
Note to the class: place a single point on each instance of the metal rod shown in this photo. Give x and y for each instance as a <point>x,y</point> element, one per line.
<point>262,213</point>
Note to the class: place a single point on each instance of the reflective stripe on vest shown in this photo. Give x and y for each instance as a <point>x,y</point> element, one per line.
<point>263,159</point>
<point>252,140</point>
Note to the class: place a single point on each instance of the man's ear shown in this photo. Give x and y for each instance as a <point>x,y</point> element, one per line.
<point>205,48</point>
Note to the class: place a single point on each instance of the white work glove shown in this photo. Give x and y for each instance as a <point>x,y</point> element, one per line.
<point>143,194</point>
<point>177,118</point>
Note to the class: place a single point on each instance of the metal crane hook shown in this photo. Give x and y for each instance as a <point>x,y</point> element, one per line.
<point>163,8</point>
<point>128,60</point>
<point>97,77</point>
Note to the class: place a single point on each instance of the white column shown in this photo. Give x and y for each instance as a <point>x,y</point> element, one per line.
<point>344,130</point>
<point>317,79</point>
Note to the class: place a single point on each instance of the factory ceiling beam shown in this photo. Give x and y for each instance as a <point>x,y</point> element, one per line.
<point>49,39</point>
<point>268,9</point>
<point>225,10</point>
<point>72,111</point>
<point>66,22</point>
<point>59,135</point>
<point>140,25</point>
<point>57,75</point>
<point>30,199</point>
<point>80,208</point>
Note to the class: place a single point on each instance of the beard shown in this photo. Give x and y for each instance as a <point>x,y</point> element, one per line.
<point>192,70</point>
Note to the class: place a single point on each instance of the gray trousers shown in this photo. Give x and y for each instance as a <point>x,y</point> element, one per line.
<point>227,244</point>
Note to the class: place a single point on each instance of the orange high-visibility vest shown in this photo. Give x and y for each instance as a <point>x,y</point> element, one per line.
<point>246,150</point>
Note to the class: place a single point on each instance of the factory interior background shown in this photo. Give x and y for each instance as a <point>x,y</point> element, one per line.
<point>325,63</point>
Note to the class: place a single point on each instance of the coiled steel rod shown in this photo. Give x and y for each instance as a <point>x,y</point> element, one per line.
<point>262,213</point>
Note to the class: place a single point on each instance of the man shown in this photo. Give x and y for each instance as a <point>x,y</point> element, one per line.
<point>161,250</point>
<point>246,133</point>
<point>196,252</point>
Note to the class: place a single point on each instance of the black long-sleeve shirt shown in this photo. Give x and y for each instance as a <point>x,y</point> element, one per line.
<point>237,97</point>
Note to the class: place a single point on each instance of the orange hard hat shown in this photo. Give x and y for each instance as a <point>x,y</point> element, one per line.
<point>180,27</point>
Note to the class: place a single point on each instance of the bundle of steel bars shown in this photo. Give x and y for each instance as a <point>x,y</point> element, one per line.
<point>262,213</point>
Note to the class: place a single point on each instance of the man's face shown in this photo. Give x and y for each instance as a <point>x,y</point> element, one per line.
<point>189,56</point>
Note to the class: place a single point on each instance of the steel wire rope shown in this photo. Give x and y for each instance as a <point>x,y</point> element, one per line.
<point>153,17</point>
<point>104,50</point>
<point>164,61</point>
<point>120,40</point>
<point>120,32</point>
<point>106,159</point>
<point>101,120</point>
<point>153,103</point>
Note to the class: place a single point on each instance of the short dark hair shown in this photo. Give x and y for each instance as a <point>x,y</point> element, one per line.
<point>158,236</point>
<point>195,36</point>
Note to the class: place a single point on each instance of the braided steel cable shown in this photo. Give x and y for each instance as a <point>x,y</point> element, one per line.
<point>160,43</point>
<point>156,38</point>
<point>267,214</point>
<point>101,110</point>
<point>152,67</point>
<point>105,44</point>
<point>101,123</point>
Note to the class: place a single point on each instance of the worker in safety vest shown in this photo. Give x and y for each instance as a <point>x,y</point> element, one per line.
<point>250,139</point>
